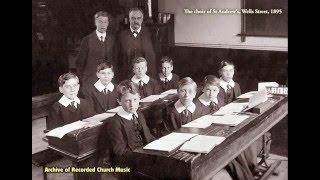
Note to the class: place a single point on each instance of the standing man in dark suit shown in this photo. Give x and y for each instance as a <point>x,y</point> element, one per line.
<point>135,41</point>
<point>95,48</point>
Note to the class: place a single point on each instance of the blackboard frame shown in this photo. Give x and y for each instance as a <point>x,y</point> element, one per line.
<point>250,22</point>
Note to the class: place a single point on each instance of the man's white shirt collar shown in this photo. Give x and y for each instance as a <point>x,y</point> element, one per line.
<point>162,78</point>
<point>224,84</point>
<point>145,79</point>
<point>66,101</point>
<point>99,34</point>
<point>180,107</point>
<point>205,102</point>
<point>100,87</point>
<point>138,30</point>
<point>125,114</point>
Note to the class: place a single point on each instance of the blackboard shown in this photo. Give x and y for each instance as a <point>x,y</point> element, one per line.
<point>274,24</point>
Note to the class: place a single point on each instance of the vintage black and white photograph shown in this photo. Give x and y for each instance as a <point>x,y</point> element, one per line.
<point>160,89</point>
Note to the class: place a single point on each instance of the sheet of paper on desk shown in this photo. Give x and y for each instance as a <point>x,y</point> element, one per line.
<point>230,119</point>
<point>250,94</point>
<point>263,85</point>
<point>202,122</point>
<point>247,95</point>
<point>99,117</point>
<point>114,110</point>
<point>170,91</point>
<point>169,142</point>
<point>232,108</point>
<point>202,144</point>
<point>152,98</point>
<point>258,98</point>
<point>61,131</point>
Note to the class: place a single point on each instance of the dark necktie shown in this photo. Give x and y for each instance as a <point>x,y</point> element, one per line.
<point>141,88</point>
<point>229,90</point>
<point>166,81</point>
<point>135,33</point>
<point>212,106</point>
<point>105,91</point>
<point>73,105</point>
<point>135,119</point>
<point>101,38</point>
<point>185,112</point>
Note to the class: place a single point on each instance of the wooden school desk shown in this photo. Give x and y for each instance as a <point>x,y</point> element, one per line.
<point>183,165</point>
<point>80,145</point>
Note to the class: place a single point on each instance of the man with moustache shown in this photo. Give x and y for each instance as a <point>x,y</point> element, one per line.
<point>95,48</point>
<point>135,41</point>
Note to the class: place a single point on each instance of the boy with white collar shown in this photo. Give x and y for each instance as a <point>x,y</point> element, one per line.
<point>69,108</point>
<point>102,94</point>
<point>184,109</point>
<point>127,130</point>
<point>147,85</point>
<point>209,102</point>
<point>230,90</point>
<point>167,79</point>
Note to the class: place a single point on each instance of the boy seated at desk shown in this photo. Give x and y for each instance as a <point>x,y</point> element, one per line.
<point>147,85</point>
<point>167,79</point>
<point>69,108</point>
<point>209,102</point>
<point>127,130</point>
<point>184,109</point>
<point>102,94</point>
<point>230,90</point>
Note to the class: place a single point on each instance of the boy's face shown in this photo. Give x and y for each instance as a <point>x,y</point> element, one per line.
<point>186,94</point>
<point>140,69</point>
<point>130,102</point>
<point>70,88</point>
<point>227,72</point>
<point>102,24</point>
<point>105,75</point>
<point>210,92</point>
<point>166,69</point>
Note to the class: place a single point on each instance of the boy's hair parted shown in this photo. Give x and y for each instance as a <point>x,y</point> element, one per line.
<point>186,81</point>
<point>139,59</point>
<point>104,65</point>
<point>211,80</point>
<point>166,59</point>
<point>65,77</point>
<point>125,87</point>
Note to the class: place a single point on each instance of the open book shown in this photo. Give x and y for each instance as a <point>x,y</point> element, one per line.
<point>169,142</point>
<point>202,144</point>
<point>59,132</point>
